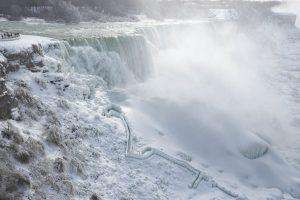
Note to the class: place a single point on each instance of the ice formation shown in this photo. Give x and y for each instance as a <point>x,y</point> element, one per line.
<point>252,146</point>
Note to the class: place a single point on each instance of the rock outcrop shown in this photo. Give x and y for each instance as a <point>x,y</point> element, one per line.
<point>32,58</point>
<point>18,146</point>
<point>13,184</point>
<point>7,102</point>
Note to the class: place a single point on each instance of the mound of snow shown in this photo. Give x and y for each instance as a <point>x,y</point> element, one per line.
<point>25,42</point>
<point>252,147</point>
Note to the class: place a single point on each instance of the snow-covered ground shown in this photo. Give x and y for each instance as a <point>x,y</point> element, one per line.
<point>24,43</point>
<point>206,102</point>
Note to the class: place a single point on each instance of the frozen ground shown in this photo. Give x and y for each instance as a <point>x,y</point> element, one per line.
<point>24,43</point>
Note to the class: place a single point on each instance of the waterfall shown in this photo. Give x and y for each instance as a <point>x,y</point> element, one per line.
<point>117,60</point>
<point>121,59</point>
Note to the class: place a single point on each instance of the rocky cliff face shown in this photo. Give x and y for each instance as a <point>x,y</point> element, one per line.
<point>19,148</point>
<point>7,102</point>
<point>10,62</point>
<point>43,123</point>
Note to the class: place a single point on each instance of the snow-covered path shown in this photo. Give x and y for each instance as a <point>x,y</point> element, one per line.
<point>148,152</point>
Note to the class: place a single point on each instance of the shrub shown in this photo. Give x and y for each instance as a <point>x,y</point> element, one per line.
<point>54,135</point>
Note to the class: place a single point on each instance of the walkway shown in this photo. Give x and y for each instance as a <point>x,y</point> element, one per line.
<point>148,152</point>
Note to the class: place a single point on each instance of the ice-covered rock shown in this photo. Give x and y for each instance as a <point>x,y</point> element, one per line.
<point>2,58</point>
<point>252,146</point>
<point>7,102</point>
<point>3,65</point>
<point>25,43</point>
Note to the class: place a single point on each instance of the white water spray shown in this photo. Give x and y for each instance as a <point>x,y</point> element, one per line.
<point>212,98</point>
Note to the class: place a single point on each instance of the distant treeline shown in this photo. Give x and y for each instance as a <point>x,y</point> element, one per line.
<point>87,10</point>
<point>68,10</point>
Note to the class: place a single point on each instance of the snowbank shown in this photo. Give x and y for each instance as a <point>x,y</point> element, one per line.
<point>25,42</point>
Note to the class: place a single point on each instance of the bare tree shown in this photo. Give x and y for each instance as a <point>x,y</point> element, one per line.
<point>66,11</point>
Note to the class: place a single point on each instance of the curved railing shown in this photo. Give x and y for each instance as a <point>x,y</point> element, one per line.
<point>148,152</point>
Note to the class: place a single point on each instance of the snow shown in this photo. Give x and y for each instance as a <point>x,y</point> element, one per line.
<point>98,143</point>
<point>253,147</point>
<point>25,42</point>
<point>2,19</point>
<point>2,58</point>
<point>32,20</point>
